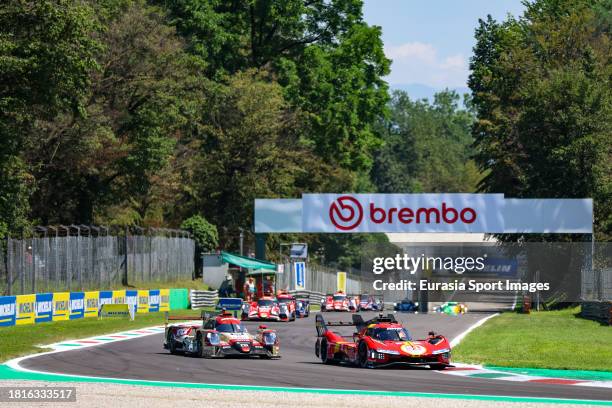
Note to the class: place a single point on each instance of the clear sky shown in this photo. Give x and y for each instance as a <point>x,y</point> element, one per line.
<point>430,41</point>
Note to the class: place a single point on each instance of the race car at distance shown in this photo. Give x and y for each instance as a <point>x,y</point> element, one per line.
<point>287,306</point>
<point>379,342</point>
<point>219,336</point>
<point>339,302</point>
<point>406,305</point>
<point>451,308</point>
<point>266,308</point>
<point>302,308</point>
<point>369,302</point>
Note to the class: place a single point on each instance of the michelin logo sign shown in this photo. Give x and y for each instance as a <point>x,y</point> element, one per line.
<point>7,310</point>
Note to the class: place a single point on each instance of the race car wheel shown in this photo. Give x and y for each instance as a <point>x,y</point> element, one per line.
<point>318,348</point>
<point>293,317</point>
<point>171,343</point>
<point>362,355</point>
<point>199,349</point>
<point>437,366</point>
<point>323,353</point>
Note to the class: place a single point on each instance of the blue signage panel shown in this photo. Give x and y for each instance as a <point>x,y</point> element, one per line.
<point>229,304</point>
<point>154,300</point>
<point>131,298</point>
<point>44,307</point>
<point>77,305</point>
<point>7,310</point>
<point>300,275</point>
<point>106,297</point>
<point>500,267</point>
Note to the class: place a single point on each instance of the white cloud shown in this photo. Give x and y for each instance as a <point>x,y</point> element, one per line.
<point>417,62</point>
<point>413,50</point>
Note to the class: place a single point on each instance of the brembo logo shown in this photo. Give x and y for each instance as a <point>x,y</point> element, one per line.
<point>346,213</point>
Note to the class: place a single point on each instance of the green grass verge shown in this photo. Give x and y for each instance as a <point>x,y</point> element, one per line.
<point>18,341</point>
<point>555,339</point>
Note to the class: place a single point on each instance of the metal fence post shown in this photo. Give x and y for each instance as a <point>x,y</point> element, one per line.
<point>34,261</point>
<point>7,264</point>
<point>22,266</point>
<point>125,258</point>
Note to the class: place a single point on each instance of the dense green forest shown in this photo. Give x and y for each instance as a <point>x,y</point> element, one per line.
<point>134,112</point>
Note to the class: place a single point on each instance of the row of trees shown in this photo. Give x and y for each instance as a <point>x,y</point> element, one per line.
<point>151,112</point>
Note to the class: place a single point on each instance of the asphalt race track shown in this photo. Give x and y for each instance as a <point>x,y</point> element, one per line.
<point>145,359</point>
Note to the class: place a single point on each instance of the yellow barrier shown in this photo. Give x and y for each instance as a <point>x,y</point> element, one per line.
<point>119,297</point>
<point>91,303</point>
<point>61,306</point>
<point>143,301</point>
<point>26,307</point>
<point>164,300</point>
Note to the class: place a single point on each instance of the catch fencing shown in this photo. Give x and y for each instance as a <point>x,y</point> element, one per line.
<point>73,258</point>
<point>323,279</point>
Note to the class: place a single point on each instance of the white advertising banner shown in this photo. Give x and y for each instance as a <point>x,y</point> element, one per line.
<point>423,213</point>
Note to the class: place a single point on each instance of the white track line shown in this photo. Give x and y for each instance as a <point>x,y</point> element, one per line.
<point>460,337</point>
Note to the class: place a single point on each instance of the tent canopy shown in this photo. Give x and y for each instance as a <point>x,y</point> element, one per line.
<point>261,272</point>
<point>246,262</point>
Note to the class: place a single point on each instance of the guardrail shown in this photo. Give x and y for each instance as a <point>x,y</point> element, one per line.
<point>598,311</point>
<point>203,298</point>
<point>315,297</point>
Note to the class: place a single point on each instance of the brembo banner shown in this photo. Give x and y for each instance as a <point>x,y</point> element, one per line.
<point>483,213</point>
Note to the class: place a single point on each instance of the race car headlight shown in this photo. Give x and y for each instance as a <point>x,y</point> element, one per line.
<point>213,339</point>
<point>269,339</point>
<point>441,351</point>
<point>396,353</point>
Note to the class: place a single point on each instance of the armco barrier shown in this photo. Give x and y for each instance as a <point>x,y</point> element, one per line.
<point>45,307</point>
<point>209,298</point>
<point>203,298</point>
<point>315,297</point>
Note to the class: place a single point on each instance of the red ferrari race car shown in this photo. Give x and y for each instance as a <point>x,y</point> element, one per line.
<point>266,308</point>
<point>339,302</point>
<point>379,342</point>
<point>219,336</point>
<point>287,306</point>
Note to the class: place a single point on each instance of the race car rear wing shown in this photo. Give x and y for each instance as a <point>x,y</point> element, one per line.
<point>203,316</point>
<point>321,325</point>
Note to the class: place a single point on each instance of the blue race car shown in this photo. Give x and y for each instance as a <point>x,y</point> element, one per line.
<point>406,305</point>
<point>369,302</point>
<point>302,308</point>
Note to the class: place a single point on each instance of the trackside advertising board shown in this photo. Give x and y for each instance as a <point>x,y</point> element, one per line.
<point>60,306</point>
<point>26,306</point>
<point>462,213</point>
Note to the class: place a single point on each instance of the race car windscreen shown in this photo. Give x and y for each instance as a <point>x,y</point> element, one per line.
<point>339,297</point>
<point>284,300</point>
<point>389,334</point>
<point>265,303</point>
<point>231,328</point>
